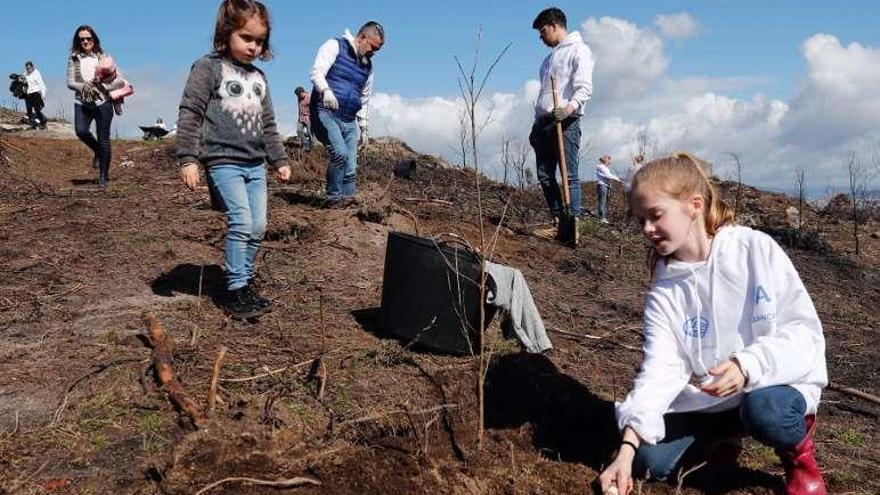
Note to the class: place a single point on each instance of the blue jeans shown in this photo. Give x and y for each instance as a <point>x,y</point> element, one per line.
<point>774,416</point>
<point>341,140</point>
<point>305,135</point>
<point>602,193</point>
<point>546,145</point>
<point>242,188</point>
<point>83,115</point>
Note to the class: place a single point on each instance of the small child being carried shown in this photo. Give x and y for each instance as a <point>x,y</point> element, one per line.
<point>116,86</point>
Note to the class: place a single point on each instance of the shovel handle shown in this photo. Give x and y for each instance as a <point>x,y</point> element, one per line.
<point>563,167</point>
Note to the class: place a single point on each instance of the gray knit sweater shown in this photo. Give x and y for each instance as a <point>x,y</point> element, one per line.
<point>226,116</point>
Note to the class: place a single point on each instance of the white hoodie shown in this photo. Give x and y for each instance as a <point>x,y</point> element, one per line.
<point>571,62</point>
<point>750,304</point>
<point>35,83</point>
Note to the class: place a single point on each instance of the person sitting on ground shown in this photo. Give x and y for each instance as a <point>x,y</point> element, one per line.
<point>303,122</point>
<point>36,96</point>
<point>343,85</point>
<point>604,178</point>
<point>227,123</point>
<point>733,345</point>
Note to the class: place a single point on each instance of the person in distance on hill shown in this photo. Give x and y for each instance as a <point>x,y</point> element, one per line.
<point>342,78</point>
<point>604,179</point>
<point>733,344</point>
<point>227,124</point>
<point>36,96</point>
<point>303,121</point>
<point>571,63</point>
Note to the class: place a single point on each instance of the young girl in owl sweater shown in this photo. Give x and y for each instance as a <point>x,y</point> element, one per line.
<point>733,345</point>
<point>227,124</point>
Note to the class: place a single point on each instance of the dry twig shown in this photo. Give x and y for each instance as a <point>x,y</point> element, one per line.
<point>212,394</point>
<point>290,483</point>
<point>854,392</point>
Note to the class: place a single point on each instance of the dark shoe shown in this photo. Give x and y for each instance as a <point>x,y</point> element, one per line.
<point>240,305</point>
<point>340,203</point>
<point>802,474</point>
<point>261,302</point>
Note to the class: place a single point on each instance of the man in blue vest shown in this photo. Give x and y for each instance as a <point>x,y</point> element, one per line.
<point>343,83</point>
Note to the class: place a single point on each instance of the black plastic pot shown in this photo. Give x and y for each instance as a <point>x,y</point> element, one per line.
<point>430,294</point>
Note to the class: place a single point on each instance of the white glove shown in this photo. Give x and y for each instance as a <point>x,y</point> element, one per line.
<point>330,101</point>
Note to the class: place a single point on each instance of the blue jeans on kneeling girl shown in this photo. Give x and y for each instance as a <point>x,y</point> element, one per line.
<point>774,416</point>
<point>242,189</point>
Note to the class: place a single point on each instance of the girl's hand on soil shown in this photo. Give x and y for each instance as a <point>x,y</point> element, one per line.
<point>190,175</point>
<point>618,474</point>
<point>283,173</point>
<point>729,379</point>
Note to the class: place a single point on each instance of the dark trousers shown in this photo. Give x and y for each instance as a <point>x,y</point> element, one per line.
<point>102,114</point>
<point>34,104</point>
<point>545,142</point>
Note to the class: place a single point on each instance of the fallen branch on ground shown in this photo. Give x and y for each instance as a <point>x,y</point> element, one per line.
<point>428,200</point>
<point>291,483</point>
<point>6,144</point>
<point>272,372</point>
<point>854,392</point>
<point>212,393</point>
<point>162,362</point>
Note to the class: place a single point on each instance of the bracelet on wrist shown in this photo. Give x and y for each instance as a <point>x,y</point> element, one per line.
<point>631,444</point>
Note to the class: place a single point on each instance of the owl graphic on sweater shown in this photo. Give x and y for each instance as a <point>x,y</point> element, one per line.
<point>241,95</point>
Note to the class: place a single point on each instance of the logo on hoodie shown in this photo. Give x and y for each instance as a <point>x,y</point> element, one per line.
<point>694,325</point>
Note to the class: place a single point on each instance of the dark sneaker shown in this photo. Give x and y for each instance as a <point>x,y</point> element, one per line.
<point>240,305</point>
<point>340,203</point>
<point>261,302</point>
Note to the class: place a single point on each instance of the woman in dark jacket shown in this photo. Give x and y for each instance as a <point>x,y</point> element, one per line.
<point>92,102</point>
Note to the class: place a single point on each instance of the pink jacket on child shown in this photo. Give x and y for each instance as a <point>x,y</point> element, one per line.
<point>111,78</point>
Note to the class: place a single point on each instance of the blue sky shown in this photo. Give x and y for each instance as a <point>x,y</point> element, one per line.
<point>760,44</point>
<point>759,38</point>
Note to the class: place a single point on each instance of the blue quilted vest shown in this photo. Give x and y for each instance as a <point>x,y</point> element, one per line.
<point>347,78</point>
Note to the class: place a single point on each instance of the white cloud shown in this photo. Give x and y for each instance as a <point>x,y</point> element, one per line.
<point>836,110</point>
<point>839,99</point>
<point>677,26</point>
<point>628,59</point>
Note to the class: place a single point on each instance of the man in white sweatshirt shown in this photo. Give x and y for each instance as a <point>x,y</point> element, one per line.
<point>571,63</point>
<point>36,95</point>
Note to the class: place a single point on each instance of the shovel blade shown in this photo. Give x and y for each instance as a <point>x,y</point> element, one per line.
<point>568,233</point>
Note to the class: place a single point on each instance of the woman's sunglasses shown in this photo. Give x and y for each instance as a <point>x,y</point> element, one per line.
<point>89,39</point>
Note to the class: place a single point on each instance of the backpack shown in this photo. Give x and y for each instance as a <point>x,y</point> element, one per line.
<point>18,86</point>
